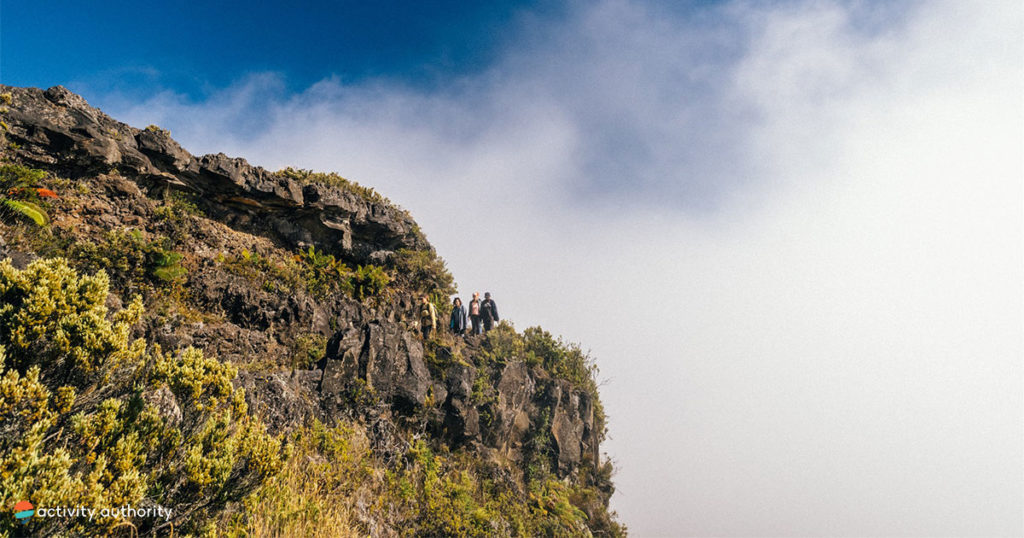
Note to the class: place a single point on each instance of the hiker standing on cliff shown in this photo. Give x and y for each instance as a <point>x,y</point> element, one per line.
<point>457,323</point>
<point>489,312</point>
<point>428,317</point>
<point>474,313</point>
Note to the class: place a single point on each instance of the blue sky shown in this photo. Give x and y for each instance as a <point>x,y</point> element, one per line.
<point>195,46</point>
<point>121,52</point>
<point>790,232</point>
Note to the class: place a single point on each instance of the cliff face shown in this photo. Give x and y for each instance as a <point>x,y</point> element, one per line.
<point>307,283</point>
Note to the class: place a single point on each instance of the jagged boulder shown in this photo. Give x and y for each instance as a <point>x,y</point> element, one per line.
<point>384,357</point>
<point>514,408</point>
<point>283,400</point>
<point>571,417</point>
<point>462,418</point>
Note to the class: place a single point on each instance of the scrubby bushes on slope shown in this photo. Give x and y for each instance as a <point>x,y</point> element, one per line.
<point>335,486</point>
<point>92,418</point>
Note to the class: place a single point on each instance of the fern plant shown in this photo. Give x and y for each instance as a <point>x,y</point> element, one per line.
<point>18,197</point>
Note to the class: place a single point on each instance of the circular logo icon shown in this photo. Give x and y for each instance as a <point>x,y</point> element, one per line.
<point>23,510</point>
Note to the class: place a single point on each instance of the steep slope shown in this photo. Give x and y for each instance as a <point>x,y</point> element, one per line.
<point>305,283</point>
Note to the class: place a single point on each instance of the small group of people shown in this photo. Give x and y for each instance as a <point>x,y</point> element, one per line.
<point>482,315</point>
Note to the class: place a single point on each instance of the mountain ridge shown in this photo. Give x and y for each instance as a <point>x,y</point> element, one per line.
<point>306,284</point>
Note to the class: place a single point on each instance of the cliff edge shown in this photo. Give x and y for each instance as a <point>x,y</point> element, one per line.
<point>300,287</point>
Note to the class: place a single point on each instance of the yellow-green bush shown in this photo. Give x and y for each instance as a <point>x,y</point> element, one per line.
<point>319,273</point>
<point>315,494</point>
<point>454,494</point>
<point>323,273</point>
<point>55,319</point>
<point>79,425</point>
<point>178,206</point>
<point>334,485</point>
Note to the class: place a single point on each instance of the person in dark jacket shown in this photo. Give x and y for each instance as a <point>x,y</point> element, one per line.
<point>457,323</point>
<point>489,312</point>
<point>474,314</point>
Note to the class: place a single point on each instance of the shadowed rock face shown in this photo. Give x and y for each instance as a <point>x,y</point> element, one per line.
<point>57,130</point>
<point>381,357</point>
<point>374,366</point>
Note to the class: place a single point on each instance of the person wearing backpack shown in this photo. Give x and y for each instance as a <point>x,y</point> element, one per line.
<point>474,314</point>
<point>489,312</point>
<point>457,323</point>
<point>428,317</point>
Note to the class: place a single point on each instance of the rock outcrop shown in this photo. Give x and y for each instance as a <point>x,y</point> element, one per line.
<point>56,129</point>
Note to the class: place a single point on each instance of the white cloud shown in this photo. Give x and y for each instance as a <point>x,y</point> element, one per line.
<point>791,235</point>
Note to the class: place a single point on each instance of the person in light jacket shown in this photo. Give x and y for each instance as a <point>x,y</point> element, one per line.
<point>457,323</point>
<point>489,312</point>
<point>428,317</point>
<point>474,314</point>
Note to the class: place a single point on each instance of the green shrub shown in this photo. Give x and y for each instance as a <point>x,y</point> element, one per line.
<point>165,265</point>
<point>177,217</point>
<point>129,258</point>
<point>177,206</point>
<point>454,495</point>
<point>318,273</point>
<point>308,349</point>
<point>368,281</point>
<point>276,274</point>
<point>79,422</point>
<point>424,271</point>
<point>503,344</point>
<point>323,273</point>
<point>562,360</point>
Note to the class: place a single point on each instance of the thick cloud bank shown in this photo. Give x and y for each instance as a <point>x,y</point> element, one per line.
<point>791,234</point>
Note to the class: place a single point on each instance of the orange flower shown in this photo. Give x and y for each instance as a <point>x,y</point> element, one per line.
<point>46,193</point>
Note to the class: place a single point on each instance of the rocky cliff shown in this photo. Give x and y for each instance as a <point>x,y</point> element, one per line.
<point>306,283</point>
<point>57,130</point>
